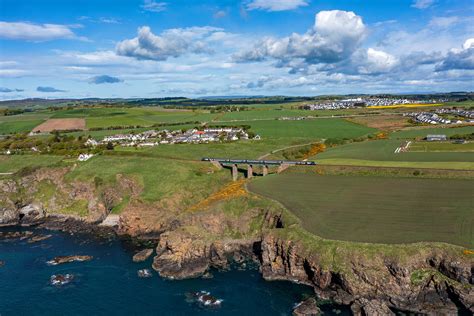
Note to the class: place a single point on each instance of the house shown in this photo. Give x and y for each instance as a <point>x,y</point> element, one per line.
<point>91,142</point>
<point>436,138</point>
<point>84,157</point>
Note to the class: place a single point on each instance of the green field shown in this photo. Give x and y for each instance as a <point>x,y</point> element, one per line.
<point>376,209</point>
<point>422,132</point>
<point>441,147</point>
<point>14,163</point>
<point>188,182</point>
<point>383,151</point>
<point>308,129</point>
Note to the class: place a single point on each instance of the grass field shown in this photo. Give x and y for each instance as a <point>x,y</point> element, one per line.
<point>422,132</point>
<point>383,150</point>
<point>16,162</point>
<point>441,147</point>
<point>187,182</point>
<point>308,129</point>
<point>376,209</point>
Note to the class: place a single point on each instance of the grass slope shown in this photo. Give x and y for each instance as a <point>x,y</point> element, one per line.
<point>376,209</point>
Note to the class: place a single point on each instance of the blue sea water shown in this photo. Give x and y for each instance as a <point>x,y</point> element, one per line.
<point>109,285</point>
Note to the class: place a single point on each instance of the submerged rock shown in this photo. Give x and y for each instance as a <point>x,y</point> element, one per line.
<point>61,279</point>
<point>142,255</point>
<point>207,275</point>
<point>38,238</point>
<point>2,263</point>
<point>204,299</point>
<point>67,259</point>
<point>307,308</point>
<point>16,235</point>
<point>144,273</point>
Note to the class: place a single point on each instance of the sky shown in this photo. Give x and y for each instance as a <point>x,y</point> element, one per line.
<point>163,48</point>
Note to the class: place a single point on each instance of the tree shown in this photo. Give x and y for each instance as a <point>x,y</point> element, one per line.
<point>109,146</point>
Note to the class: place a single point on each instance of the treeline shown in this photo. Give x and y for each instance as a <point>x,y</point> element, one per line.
<point>463,136</point>
<point>57,144</point>
<point>8,112</point>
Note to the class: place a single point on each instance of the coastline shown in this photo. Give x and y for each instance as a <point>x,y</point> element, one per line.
<point>370,278</point>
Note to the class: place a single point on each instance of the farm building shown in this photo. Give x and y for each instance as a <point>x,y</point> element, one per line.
<point>434,138</point>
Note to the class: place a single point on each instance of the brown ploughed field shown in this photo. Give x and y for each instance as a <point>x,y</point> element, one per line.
<point>61,125</point>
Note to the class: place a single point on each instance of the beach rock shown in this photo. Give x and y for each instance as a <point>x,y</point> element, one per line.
<point>307,308</point>
<point>67,259</point>
<point>61,279</point>
<point>38,238</point>
<point>31,214</point>
<point>142,255</point>
<point>144,273</point>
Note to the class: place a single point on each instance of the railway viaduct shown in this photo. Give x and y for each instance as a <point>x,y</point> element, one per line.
<point>233,164</point>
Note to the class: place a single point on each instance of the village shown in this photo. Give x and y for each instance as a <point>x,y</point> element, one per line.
<point>192,136</point>
<point>442,116</point>
<point>364,102</point>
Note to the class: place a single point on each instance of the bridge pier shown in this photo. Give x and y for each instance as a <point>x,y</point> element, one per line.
<point>282,167</point>
<point>249,171</point>
<point>264,170</point>
<point>235,172</point>
<point>217,164</point>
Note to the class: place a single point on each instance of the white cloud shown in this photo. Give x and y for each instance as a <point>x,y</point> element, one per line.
<point>153,6</point>
<point>276,5</point>
<point>35,32</point>
<point>462,59</point>
<point>469,43</point>
<point>220,14</point>
<point>422,4</point>
<point>378,62</point>
<point>444,21</point>
<point>334,37</point>
<point>170,43</point>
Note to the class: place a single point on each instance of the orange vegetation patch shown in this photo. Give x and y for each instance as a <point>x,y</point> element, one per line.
<point>315,149</point>
<point>61,125</point>
<point>468,252</point>
<point>233,190</point>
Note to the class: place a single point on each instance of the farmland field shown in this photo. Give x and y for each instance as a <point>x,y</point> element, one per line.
<point>383,150</point>
<point>441,147</point>
<point>308,129</point>
<point>14,163</point>
<point>376,209</point>
<point>61,125</point>
<point>422,132</point>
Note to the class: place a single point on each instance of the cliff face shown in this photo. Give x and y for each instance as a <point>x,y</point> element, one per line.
<point>434,282</point>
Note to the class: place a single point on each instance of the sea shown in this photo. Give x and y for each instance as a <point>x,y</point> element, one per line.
<point>109,283</point>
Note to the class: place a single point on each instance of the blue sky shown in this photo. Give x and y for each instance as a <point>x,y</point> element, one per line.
<point>151,48</point>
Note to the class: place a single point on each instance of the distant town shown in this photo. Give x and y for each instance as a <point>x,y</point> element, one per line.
<point>365,102</point>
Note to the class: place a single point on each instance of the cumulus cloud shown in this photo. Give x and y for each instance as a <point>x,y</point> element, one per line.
<point>334,37</point>
<point>170,43</point>
<point>377,62</point>
<point>35,32</point>
<point>104,79</point>
<point>153,6</point>
<point>459,58</point>
<point>48,89</point>
<point>276,5</point>
<point>8,90</point>
<point>422,4</point>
